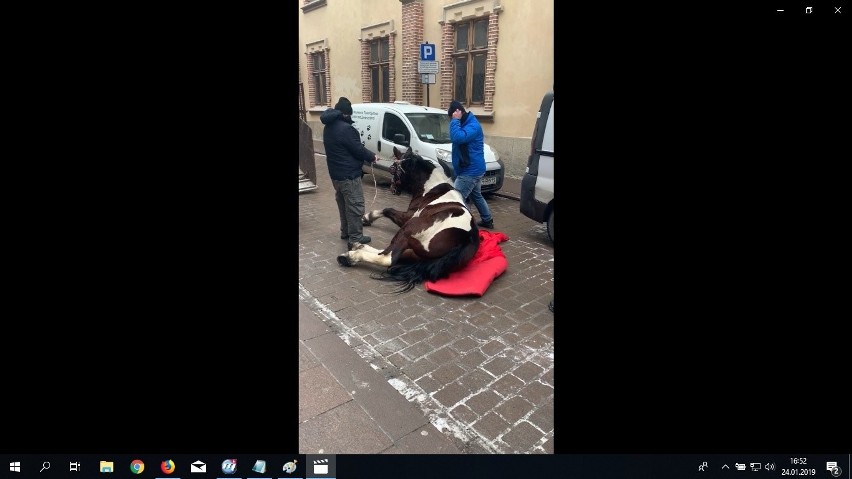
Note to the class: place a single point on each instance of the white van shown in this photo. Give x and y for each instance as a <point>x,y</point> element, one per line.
<point>537,184</point>
<point>427,130</point>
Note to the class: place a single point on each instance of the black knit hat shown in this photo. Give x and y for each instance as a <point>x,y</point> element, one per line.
<point>454,105</point>
<point>344,106</point>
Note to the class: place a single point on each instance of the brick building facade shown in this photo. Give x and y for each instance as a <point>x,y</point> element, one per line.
<point>518,65</point>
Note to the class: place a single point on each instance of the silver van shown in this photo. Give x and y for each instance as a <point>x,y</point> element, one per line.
<point>424,129</point>
<point>537,183</point>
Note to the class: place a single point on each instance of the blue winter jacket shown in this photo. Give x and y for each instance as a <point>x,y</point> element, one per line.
<point>467,133</point>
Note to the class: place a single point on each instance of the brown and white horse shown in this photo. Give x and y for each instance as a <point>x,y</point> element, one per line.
<point>437,235</point>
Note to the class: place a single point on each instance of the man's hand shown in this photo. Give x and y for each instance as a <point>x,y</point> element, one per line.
<point>375,158</point>
<point>457,114</point>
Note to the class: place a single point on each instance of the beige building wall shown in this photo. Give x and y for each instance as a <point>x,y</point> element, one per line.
<point>524,71</point>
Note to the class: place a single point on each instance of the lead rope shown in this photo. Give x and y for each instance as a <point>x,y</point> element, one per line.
<point>375,187</point>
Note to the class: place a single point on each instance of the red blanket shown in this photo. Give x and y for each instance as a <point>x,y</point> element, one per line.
<point>488,263</point>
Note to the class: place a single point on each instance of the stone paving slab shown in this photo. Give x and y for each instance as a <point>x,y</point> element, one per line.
<point>345,428</point>
<point>319,392</point>
<point>391,412</point>
<point>306,359</point>
<point>309,329</point>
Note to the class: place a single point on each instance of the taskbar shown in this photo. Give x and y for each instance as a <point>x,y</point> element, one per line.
<point>349,466</point>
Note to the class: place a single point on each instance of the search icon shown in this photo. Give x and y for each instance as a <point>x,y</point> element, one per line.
<point>44,466</point>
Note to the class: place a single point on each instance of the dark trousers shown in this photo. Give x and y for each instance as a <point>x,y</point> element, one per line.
<point>350,205</point>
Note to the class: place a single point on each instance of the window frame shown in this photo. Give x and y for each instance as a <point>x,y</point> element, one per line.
<point>386,126</point>
<point>469,54</point>
<point>319,75</point>
<point>379,69</point>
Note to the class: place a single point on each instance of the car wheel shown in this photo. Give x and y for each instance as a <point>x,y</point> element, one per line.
<point>550,226</point>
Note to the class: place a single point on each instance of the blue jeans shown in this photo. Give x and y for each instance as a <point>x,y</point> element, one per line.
<point>470,188</point>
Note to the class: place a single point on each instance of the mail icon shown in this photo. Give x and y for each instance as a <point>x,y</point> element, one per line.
<point>199,466</point>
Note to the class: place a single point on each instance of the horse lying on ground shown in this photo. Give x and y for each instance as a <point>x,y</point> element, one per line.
<point>437,234</point>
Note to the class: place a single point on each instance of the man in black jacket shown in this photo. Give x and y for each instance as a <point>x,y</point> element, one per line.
<point>345,155</point>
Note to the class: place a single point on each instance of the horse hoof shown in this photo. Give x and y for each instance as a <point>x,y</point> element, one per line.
<point>343,260</point>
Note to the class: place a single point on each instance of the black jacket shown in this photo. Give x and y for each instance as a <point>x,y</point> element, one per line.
<point>343,149</point>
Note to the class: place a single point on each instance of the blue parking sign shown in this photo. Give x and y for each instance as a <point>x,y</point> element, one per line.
<point>427,51</point>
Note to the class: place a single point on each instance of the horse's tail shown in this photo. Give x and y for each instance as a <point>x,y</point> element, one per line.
<point>408,275</point>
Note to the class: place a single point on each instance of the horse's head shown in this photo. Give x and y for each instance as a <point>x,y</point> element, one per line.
<point>409,171</point>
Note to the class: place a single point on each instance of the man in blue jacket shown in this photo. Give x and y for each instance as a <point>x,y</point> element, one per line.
<point>469,159</point>
<point>345,154</point>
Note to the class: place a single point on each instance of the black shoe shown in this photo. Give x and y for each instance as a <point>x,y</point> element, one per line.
<point>489,225</point>
<point>363,240</point>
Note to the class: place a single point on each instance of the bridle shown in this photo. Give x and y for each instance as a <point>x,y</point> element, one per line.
<point>396,172</point>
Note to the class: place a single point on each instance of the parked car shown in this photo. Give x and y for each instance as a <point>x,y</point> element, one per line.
<point>537,184</point>
<point>427,130</point>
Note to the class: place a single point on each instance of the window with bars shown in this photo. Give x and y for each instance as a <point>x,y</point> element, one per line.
<point>318,77</point>
<point>380,69</point>
<point>471,49</point>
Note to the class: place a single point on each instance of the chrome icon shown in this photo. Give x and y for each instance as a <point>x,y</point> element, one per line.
<point>229,466</point>
<point>167,466</point>
<point>137,466</point>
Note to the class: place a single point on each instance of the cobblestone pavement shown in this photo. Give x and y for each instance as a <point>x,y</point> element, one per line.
<point>480,369</point>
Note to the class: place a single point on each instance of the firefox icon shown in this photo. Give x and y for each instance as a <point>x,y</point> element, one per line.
<point>167,466</point>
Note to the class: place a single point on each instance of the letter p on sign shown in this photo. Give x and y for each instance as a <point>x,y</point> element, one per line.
<point>427,51</point>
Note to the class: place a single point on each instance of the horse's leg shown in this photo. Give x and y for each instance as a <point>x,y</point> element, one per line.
<point>408,256</point>
<point>366,247</point>
<point>364,253</point>
<point>367,254</point>
<point>398,217</point>
<point>371,216</point>
<point>404,246</point>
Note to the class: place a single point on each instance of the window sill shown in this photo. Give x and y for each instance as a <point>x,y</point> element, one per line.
<point>318,109</point>
<point>313,5</point>
<point>482,114</point>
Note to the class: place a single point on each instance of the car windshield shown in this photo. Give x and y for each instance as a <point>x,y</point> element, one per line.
<point>431,127</point>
